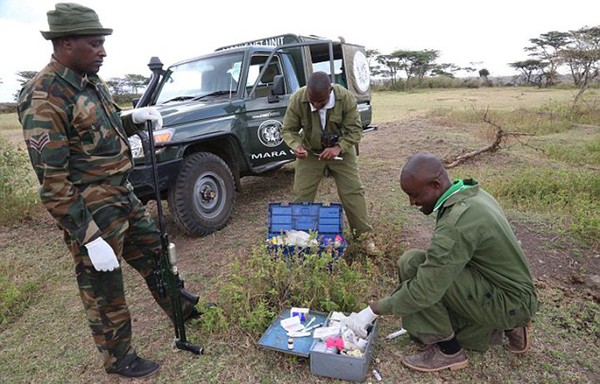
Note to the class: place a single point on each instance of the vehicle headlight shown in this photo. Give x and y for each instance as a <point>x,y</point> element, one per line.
<point>135,143</point>
<point>160,136</point>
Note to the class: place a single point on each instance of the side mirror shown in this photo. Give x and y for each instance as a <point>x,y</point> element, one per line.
<point>135,101</point>
<point>278,86</point>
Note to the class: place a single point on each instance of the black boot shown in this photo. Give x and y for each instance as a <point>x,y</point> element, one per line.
<point>134,366</point>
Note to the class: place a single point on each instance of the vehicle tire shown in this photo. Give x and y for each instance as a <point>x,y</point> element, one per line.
<point>203,196</point>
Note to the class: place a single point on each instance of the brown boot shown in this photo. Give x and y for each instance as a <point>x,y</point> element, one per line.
<point>518,340</point>
<point>496,337</point>
<point>433,359</point>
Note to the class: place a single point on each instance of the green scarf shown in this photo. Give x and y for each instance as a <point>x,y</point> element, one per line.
<point>457,186</point>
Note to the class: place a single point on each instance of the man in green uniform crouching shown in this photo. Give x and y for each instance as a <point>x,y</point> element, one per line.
<point>470,286</point>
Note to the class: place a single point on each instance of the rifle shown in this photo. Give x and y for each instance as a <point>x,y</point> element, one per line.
<point>168,280</point>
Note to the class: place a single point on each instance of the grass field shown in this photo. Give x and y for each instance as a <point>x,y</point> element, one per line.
<point>548,182</point>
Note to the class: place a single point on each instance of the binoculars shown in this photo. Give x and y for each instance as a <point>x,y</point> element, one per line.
<point>329,139</point>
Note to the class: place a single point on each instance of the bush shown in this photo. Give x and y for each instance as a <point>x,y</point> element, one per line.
<point>260,288</point>
<point>8,107</point>
<point>125,99</point>
<point>17,194</point>
<point>14,297</point>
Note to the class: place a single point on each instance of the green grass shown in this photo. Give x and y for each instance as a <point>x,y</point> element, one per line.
<point>9,121</point>
<point>393,106</point>
<point>44,337</point>
<point>18,188</point>
<point>574,151</point>
<point>571,195</point>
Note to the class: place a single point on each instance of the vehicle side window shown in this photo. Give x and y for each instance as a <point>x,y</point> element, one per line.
<point>338,65</point>
<point>265,83</point>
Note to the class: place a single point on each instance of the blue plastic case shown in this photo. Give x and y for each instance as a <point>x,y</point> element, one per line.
<point>325,219</point>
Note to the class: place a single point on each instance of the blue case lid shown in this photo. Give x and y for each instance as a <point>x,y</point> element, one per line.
<point>326,219</point>
<point>275,337</point>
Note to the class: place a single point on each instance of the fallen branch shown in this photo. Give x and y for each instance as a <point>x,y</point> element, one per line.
<point>500,136</point>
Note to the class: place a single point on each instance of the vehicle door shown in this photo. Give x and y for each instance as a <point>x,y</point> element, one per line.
<point>265,112</point>
<point>357,76</point>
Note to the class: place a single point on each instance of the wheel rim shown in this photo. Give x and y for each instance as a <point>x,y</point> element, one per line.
<point>209,195</point>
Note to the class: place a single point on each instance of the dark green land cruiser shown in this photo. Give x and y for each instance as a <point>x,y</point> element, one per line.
<point>222,117</point>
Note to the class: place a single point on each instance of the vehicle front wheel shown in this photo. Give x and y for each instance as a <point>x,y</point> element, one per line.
<point>203,196</point>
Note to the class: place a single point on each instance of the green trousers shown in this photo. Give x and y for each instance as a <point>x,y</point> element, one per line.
<point>471,309</point>
<point>309,173</point>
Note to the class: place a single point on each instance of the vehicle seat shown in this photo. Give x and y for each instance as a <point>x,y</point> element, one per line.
<point>266,81</point>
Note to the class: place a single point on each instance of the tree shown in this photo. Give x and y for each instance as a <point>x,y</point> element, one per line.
<point>484,73</point>
<point>134,81</point>
<point>415,64</point>
<point>583,57</point>
<point>445,69</point>
<point>371,54</point>
<point>532,70</point>
<point>23,77</point>
<point>390,67</point>
<point>546,48</point>
<point>116,85</point>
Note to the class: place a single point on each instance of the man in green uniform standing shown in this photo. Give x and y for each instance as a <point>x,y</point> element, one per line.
<point>322,125</point>
<point>470,286</point>
<point>77,143</point>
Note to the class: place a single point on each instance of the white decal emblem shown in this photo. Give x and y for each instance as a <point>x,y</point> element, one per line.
<point>269,133</point>
<point>361,70</point>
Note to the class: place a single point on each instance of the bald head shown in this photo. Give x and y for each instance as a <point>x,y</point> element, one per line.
<point>318,89</point>
<point>424,179</point>
<point>423,165</point>
<point>319,82</point>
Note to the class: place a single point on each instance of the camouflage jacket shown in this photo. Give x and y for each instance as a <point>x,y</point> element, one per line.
<point>75,137</point>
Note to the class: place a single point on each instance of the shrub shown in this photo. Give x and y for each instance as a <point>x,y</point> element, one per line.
<point>8,107</point>
<point>260,288</point>
<point>19,198</point>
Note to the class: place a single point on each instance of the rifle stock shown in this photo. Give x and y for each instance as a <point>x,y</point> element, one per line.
<point>169,281</point>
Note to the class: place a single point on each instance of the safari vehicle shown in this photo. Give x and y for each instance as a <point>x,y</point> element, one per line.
<point>222,118</point>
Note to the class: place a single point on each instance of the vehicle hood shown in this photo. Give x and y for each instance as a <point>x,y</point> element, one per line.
<point>176,114</point>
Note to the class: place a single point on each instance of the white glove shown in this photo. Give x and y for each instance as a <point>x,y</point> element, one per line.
<point>102,255</point>
<point>358,322</point>
<point>141,115</point>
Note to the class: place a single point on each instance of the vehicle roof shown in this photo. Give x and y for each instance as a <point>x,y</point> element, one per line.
<point>250,49</point>
<point>265,44</point>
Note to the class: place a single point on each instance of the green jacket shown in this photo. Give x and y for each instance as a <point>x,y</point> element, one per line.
<point>471,232</point>
<point>75,137</point>
<point>301,126</point>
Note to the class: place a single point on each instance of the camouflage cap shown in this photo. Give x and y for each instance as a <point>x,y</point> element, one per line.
<point>69,19</point>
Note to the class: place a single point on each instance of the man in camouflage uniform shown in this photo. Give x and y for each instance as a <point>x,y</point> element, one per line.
<point>77,143</point>
<point>471,287</point>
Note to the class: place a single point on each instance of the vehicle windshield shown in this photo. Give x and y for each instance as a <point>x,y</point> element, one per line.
<point>213,76</point>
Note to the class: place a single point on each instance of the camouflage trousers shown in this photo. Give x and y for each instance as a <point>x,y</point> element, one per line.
<point>471,309</point>
<point>128,228</point>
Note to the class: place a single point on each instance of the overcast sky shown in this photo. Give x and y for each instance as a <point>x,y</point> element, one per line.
<point>478,33</point>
